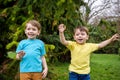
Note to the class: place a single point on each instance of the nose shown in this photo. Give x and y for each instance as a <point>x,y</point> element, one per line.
<point>30,30</point>
<point>80,35</point>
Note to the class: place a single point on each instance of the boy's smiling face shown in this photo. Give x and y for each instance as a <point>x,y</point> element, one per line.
<point>31,31</point>
<point>80,36</point>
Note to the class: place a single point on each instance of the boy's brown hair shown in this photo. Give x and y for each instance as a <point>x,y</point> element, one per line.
<point>34,23</point>
<point>82,28</point>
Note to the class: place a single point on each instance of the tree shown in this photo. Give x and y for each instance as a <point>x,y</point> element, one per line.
<point>15,13</point>
<point>95,10</point>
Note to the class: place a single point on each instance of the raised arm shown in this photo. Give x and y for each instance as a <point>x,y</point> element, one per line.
<point>61,29</point>
<point>108,41</point>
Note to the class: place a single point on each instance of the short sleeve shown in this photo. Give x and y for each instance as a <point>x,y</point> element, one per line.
<point>43,51</point>
<point>70,45</point>
<point>94,47</point>
<point>19,47</point>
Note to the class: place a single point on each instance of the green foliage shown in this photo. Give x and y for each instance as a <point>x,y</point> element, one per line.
<point>54,12</point>
<point>102,32</point>
<point>9,70</point>
<point>15,13</point>
<point>14,43</point>
<point>11,55</point>
<point>49,51</point>
<point>49,47</point>
<point>50,13</point>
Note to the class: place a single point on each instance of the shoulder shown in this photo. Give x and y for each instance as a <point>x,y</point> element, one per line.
<point>39,41</point>
<point>92,45</point>
<point>23,41</point>
<point>71,42</point>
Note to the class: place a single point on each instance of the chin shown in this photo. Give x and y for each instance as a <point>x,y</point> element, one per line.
<point>80,42</point>
<point>31,38</point>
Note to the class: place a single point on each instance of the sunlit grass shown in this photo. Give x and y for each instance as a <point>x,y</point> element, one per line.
<point>103,67</point>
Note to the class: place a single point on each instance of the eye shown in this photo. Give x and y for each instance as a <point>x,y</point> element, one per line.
<point>77,34</point>
<point>82,33</point>
<point>34,29</point>
<point>28,28</point>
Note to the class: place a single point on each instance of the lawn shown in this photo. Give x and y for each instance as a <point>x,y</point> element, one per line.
<point>103,67</point>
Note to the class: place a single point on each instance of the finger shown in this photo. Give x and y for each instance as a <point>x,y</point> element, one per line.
<point>22,53</point>
<point>44,75</point>
<point>64,26</point>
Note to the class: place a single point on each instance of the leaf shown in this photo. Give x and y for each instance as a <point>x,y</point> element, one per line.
<point>11,55</point>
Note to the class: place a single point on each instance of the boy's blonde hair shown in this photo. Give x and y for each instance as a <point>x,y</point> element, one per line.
<point>34,23</point>
<point>82,28</point>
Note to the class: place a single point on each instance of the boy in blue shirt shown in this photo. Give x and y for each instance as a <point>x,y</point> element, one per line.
<point>31,53</point>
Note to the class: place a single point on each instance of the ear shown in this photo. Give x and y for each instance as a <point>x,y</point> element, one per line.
<point>38,33</point>
<point>25,31</point>
<point>87,37</point>
<point>74,37</point>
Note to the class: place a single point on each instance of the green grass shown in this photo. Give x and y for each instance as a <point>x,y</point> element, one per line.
<point>58,71</point>
<point>103,67</point>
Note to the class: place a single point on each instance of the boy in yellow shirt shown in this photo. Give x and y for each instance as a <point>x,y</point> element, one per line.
<point>81,51</point>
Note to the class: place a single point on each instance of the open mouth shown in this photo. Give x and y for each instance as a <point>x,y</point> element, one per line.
<point>80,39</point>
<point>31,34</point>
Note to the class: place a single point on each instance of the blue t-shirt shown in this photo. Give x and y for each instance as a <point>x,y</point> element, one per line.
<point>34,50</point>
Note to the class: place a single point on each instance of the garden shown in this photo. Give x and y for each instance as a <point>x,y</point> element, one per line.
<point>102,24</point>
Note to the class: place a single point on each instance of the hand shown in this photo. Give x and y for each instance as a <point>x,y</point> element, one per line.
<point>115,37</point>
<point>44,73</point>
<point>61,27</point>
<point>21,54</point>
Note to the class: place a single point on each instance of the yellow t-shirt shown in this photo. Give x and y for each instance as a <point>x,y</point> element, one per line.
<point>80,56</point>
